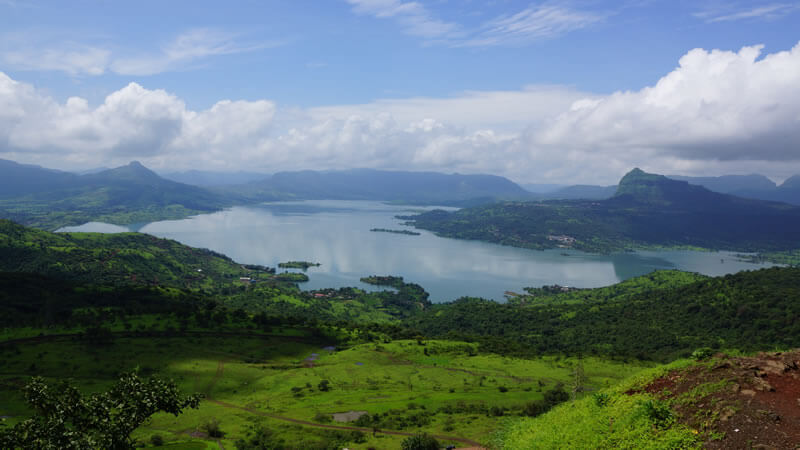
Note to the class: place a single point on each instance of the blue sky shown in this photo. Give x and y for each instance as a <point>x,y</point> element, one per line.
<point>524,89</point>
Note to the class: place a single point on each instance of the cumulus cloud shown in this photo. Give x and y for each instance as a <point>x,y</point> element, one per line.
<point>716,112</point>
<point>716,105</point>
<point>132,123</point>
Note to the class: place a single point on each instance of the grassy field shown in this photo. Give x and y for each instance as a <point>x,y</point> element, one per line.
<point>445,388</point>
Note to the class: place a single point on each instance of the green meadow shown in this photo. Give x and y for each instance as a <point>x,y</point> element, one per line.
<point>445,388</point>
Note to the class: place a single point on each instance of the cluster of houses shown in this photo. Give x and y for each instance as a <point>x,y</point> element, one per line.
<point>562,239</point>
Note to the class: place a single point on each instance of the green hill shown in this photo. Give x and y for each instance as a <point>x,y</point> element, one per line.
<point>129,258</point>
<point>660,316</point>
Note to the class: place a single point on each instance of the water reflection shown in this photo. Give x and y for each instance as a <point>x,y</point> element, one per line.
<point>336,234</point>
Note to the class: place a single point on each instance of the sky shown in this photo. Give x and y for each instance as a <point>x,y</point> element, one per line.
<point>540,92</point>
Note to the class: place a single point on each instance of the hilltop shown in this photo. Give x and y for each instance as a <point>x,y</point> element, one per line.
<point>51,199</point>
<point>646,210</point>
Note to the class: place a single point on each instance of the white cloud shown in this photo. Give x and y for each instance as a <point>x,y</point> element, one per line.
<point>717,105</point>
<point>733,12</point>
<point>73,59</point>
<point>187,48</point>
<point>534,23</point>
<point>415,19</point>
<point>46,52</point>
<point>717,112</point>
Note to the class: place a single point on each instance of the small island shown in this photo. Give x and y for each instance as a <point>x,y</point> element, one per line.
<point>297,265</point>
<point>386,230</point>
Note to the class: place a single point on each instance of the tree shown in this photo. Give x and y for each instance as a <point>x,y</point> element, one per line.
<point>65,419</point>
<point>420,441</point>
<point>578,379</point>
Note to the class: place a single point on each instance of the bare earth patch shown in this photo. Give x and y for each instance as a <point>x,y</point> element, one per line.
<point>348,416</point>
<point>738,402</point>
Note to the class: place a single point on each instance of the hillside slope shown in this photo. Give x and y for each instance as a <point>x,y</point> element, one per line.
<point>722,403</point>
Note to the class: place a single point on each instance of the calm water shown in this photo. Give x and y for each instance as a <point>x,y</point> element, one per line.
<point>336,234</point>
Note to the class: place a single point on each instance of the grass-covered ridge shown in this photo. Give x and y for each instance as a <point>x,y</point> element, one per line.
<point>611,418</point>
<point>715,401</point>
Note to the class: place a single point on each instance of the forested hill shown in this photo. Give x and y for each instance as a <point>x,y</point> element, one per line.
<point>369,184</point>
<point>659,316</point>
<point>647,210</point>
<point>50,199</point>
<point>122,258</point>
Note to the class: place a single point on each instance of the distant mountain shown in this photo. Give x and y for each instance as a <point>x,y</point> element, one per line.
<point>132,193</point>
<point>730,184</point>
<point>369,184</point>
<point>541,188</point>
<point>750,186</point>
<point>21,179</point>
<point>580,192</point>
<point>646,210</point>
<point>211,178</point>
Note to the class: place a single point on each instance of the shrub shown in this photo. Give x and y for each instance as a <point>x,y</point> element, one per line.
<point>212,428</point>
<point>421,441</point>
<point>702,353</point>
<point>322,417</point>
<point>358,437</point>
<point>157,440</point>
<point>658,412</point>
<point>601,399</point>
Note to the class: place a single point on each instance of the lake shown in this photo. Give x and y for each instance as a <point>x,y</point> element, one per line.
<point>336,234</point>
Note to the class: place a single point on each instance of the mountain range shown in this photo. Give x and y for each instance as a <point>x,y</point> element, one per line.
<point>747,186</point>
<point>51,199</point>
<point>646,210</point>
<point>382,185</point>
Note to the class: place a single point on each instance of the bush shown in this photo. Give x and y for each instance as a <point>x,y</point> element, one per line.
<point>702,353</point>
<point>601,399</point>
<point>358,437</point>
<point>421,441</point>
<point>322,417</point>
<point>157,440</point>
<point>658,412</point>
<point>212,428</point>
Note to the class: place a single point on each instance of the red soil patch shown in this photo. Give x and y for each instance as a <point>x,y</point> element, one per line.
<point>732,402</point>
